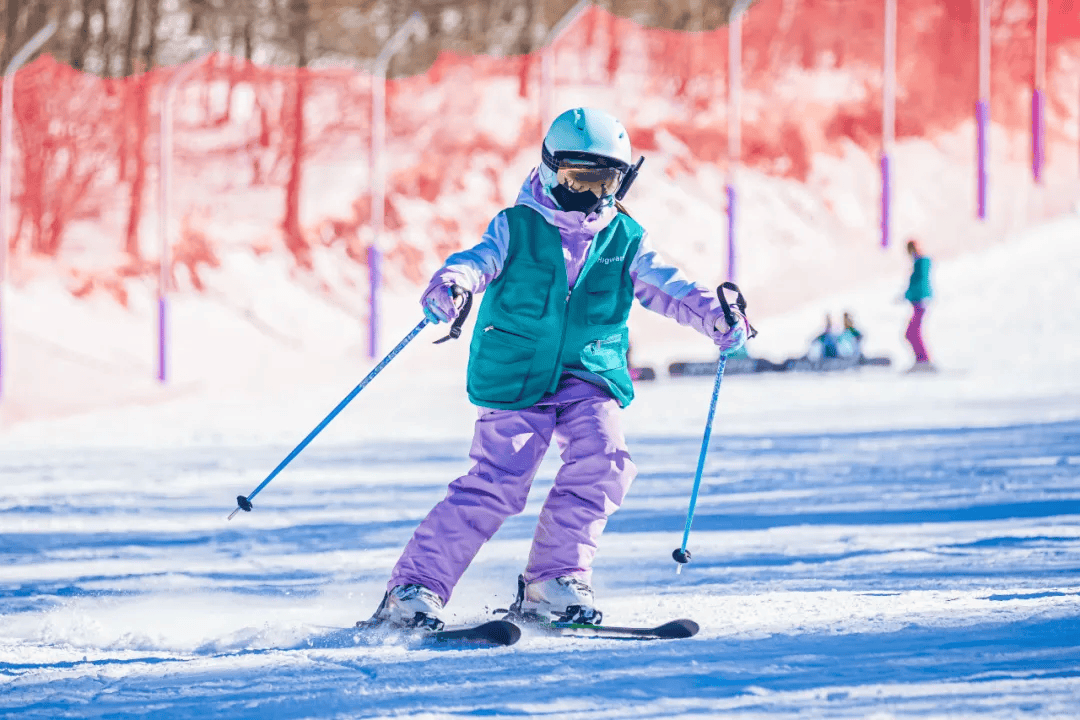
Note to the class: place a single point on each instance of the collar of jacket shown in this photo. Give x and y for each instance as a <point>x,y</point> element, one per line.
<point>534,195</point>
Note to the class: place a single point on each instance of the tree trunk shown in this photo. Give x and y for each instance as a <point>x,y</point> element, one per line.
<point>103,39</point>
<point>299,24</point>
<point>294,237</point>
<point>249,38</point>
<point>81,43</point>
<point>11,20</point>
<point>131,45</point>
<point>150,51</point>
<point>138,183</point>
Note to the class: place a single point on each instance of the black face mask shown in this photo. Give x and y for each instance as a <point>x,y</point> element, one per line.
<point>585,201</point>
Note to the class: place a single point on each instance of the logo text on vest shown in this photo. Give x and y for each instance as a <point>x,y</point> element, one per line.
<point>609,260</point>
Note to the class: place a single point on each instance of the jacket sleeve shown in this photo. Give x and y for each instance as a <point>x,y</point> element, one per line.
<point>475,268</point>
<point>664,289</point>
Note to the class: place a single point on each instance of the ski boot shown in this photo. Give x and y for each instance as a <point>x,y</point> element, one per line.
<point>410,607</point>
<point>564,599</point>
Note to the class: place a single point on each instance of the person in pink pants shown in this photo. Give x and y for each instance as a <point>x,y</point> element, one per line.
<point>918,294</point>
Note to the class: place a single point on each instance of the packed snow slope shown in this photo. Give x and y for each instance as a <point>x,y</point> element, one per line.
<point>272,209</point>
<point>867,544</point>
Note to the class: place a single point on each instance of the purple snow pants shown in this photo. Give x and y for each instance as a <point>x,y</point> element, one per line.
<point>508,446</point>
<point>914,333</point>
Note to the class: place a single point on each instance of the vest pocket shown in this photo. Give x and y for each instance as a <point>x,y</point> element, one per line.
<point>502,363</point>
<point>604,287</point>
<point>609,353</point>
<point>525,289</point>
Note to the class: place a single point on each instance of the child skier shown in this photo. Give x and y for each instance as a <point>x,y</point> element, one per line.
<point>548,360</point>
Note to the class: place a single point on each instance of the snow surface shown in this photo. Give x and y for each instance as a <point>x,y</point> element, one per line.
<point>867,544</point>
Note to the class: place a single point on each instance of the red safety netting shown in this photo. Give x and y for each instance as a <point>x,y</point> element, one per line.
<point>86,161</point>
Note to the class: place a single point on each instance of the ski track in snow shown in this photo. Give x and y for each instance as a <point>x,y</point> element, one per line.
<point>886,573</point>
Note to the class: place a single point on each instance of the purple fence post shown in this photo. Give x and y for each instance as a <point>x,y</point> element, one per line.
<point>1038,134</point>
<point>414,24</point>
<point>162,332</point>
<point>730,232</point>
<point>886,192</point>
<point>888,116</point>
<point>374,259</point>
<point>982,128</point>
<point>1038,99</point>
<point>165,173</point>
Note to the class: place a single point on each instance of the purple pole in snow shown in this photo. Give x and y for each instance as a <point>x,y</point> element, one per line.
<point>165,206</point>
<point>378,176</point>
<point>888,119</point>
<point>7,136</point>
<point>982,127</point>
<point>1038,100</point>
<point>982,109</point>
<point>374,261</point>
<point>734,123</point>
<point>1038,135</point>
<point>886,192</point>
<point>731,232</point>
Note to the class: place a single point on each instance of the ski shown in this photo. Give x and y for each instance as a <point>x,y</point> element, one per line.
<point>676,629</point>
<point>488,634</point>
<point>493,633</point>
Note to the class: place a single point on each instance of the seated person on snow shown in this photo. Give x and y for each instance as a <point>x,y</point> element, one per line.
<point>849,341</point>
<point>825,344</point>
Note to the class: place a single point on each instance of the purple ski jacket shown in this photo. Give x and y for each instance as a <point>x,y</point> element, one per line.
<point>658,286</point>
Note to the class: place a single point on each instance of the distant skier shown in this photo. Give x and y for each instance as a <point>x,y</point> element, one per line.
<point>918,293</point>
<point>548,360</point>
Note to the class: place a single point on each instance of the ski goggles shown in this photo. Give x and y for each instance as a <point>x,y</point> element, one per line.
<point>608,178</point>
<point>586,169</point>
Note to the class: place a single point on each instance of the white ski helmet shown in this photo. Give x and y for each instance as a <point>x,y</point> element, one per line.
<point>586,148</point>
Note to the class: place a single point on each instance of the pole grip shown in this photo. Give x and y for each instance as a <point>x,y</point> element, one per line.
<point>740,303</point>
<point>455,328</point>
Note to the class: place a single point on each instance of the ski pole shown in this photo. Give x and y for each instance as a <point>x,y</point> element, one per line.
<point>681,554</point>
<point>244,502</point>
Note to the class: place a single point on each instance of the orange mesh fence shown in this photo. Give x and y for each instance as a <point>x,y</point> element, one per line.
<point>86,159</point>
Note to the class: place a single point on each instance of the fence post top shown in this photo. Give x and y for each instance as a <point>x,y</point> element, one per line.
<point>29,48</point>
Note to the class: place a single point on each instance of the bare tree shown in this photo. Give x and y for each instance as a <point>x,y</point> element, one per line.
<point>81,42</point>
<point>337,28</point>
<point>131,44</point>
<point>299,23</point>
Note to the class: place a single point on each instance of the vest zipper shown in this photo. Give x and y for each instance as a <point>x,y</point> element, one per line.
<point>562,342</point>
<point>504,332</point>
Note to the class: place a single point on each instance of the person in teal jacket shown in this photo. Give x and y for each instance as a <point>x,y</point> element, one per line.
<point>559,271</point>
<point>918,293</point>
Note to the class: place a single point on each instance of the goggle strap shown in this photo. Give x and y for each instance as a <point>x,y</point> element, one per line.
<point>628,179</point>
<point>554,160</point>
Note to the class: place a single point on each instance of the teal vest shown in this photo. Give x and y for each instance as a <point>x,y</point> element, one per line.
<point>531,329</point>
